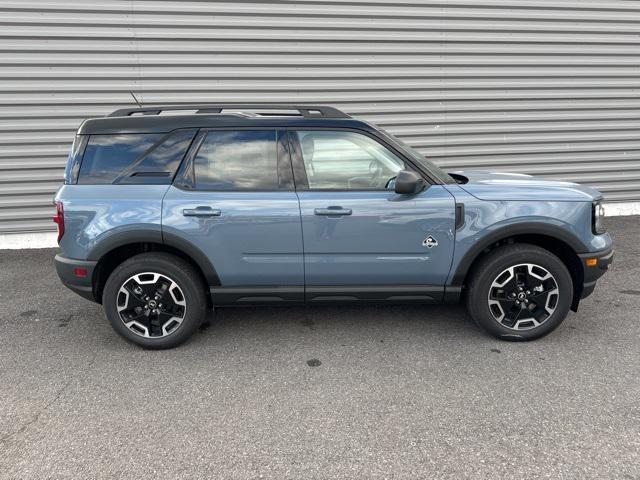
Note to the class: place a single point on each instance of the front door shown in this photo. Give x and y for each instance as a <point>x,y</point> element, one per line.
<point>362,241</point>
<point>234,200</point>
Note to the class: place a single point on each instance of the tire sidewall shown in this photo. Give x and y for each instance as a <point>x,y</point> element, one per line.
<point>177,270</point>
<point>498,262</point>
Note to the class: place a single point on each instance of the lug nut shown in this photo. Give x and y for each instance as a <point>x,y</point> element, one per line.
<point>517,302</point>
<point>519,289</point>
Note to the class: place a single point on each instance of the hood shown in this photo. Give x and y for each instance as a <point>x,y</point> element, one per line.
<point>517,186</point>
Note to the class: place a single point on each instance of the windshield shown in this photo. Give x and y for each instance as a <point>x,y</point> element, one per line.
<point>416,156</point>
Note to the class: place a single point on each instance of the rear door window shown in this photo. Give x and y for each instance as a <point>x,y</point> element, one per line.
<point>237,160</point>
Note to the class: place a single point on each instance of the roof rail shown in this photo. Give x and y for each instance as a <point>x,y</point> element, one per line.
<point>307,111</point>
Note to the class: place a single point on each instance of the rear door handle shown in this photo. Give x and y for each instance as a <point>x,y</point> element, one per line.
<point>201,212</point>
<point>333,211</point>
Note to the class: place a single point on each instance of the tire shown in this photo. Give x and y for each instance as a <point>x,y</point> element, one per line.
<point>141,284</point>
<point>519,269</point>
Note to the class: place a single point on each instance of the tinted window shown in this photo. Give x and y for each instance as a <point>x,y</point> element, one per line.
<point>74,160</point>
<point>161,163</point>
<point>237,160</point>
<point>107,156</point>
<point>347,161</point>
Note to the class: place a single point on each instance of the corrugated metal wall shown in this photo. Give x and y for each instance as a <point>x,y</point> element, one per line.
<point>539,86</point>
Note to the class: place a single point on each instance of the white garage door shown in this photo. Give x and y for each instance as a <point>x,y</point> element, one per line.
<point>537,86</point>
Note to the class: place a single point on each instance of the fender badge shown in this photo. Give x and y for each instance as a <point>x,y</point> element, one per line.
<point>430,242</point>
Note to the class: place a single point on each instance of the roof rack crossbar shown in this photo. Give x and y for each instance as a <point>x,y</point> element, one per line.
<point>307,111</point>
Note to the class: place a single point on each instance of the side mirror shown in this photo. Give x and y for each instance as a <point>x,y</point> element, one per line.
<point>408,183</point>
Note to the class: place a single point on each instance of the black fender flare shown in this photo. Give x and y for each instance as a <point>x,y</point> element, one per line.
<point>126,237</point>
<point>523,228</point>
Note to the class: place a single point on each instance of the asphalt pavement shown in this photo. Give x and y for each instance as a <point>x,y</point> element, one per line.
<point>357,392</point>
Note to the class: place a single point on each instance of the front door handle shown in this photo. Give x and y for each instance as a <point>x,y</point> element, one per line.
<point>337,211</point>
<point>201,212</point>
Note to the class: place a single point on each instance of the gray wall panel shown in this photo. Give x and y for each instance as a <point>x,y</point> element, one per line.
<point>539,86</point>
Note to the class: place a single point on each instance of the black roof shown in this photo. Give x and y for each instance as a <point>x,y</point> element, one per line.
<point>150,119</point>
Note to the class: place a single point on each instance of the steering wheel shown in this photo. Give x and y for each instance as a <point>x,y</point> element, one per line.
<point>372,180</point>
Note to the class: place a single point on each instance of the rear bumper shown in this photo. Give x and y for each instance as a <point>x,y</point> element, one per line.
<point>82,285</point>
<point>592,274</point>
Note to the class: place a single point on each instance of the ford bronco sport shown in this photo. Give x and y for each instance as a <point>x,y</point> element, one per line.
<point>172,210</point>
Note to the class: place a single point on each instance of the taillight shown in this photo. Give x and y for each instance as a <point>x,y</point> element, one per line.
<point>59,219</point>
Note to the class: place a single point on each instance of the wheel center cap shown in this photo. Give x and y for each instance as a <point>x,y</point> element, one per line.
<point>522,296</point>
<point>153,304</point>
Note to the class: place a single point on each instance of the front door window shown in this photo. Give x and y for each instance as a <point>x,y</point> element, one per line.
<point>342,160</point>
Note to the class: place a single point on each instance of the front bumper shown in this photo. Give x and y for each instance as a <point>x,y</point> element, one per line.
<point>593,273</point>
<point>67,271</point>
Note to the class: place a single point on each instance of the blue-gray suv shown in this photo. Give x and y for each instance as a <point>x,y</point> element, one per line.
<point>169,211</point>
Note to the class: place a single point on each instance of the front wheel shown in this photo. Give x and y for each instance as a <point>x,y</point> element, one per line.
<point>519,292</point>
<point>155,300</point>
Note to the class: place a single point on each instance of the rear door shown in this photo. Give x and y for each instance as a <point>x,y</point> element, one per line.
<point>362,241</point>
<point>234,200</point>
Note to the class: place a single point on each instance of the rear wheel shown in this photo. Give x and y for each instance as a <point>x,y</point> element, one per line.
<point>155,300</point>
<point>519,292</point>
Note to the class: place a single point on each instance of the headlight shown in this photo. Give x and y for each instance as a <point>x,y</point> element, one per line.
<point>598,218</point>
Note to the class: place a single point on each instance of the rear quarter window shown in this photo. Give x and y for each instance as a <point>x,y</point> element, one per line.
<point>134,158</point>
<point>75,159</point>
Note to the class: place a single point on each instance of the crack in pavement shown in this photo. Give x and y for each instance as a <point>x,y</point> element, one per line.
<point>6,440</point>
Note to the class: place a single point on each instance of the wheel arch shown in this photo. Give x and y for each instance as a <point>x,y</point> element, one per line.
<point>113,251</point>
<point>554,239</point>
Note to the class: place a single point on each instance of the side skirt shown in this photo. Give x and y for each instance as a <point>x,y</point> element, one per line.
<point>375,293</point>
<point>261,295</point>
<point>256,295</point>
